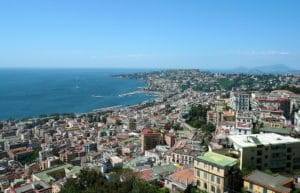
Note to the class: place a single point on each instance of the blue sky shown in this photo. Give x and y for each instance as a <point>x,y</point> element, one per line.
<point>149,33</point>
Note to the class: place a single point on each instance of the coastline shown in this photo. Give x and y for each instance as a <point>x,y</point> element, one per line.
<point>140,90</point>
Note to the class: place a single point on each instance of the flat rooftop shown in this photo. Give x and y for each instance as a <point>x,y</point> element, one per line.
<point>254,140</point>
<point>217,159</point>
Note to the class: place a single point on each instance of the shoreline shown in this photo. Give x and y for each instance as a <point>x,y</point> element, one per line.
<point>140,90</point>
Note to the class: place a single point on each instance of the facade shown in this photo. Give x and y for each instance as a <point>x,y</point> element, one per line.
<point>215,173</point>
<point>273,105</point>
<point>244,123</point>
<point>20,153</point>
<point>149,139</point>
<point>240,101</point>
<point>182,156</point>
<point>297,121</point>
<point>170,138</point>
<point>267,151</point>
<point>260,182</point>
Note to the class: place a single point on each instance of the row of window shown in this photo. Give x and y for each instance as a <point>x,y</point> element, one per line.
<point>205,187</point>
<point>251,188</point>
<point>205,175</point>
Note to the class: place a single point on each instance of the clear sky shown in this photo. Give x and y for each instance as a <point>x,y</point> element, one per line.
<point>149,33</point>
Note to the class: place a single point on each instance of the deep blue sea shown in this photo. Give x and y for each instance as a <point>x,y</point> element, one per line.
<point>32,92</point>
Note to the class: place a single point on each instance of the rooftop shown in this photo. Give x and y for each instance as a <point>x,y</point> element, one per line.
<point>36,185</point>
<point>261,139</point>
<point>276,183</point>
<point>69,170</point>
<point>217,159</point>
<point>185,176</point>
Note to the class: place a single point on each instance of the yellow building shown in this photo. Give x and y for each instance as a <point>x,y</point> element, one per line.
<point>215,173</point>
<point>260,182</point>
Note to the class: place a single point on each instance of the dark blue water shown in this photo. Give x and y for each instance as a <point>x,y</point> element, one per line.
<point>32,92</point>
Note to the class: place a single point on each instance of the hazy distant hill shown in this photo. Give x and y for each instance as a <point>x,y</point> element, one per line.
<point>267,69</point>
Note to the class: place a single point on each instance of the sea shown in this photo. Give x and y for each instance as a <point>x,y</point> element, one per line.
<point>32,92</point>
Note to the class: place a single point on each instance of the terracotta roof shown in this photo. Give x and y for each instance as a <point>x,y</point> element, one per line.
<point>146,174</point>
<point>185,176</point>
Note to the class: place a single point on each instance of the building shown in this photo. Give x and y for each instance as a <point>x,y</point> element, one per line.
<point>132,124</point>
<point>89,147</point>
<point>216,173</point>
<point>243,123</point>
<point>240,101</point>
<point>212,117</point>
<point>50,162</point>
<point>178,181</point>
<point>33,187</point>
<point>260,182</point>
<point>183,156</point>
<point>274,105</point>
<point>20,153</point>
<point>170,138</point>
<point>267,151</point>
<point>149,139</point>
<point>57,173</point>
<point>297,121</point>
<point>116,162</point>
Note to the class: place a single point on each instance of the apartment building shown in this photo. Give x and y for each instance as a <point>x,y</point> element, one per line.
<point>149,139</point>
<point>267,151</point>
<point>240,101</point>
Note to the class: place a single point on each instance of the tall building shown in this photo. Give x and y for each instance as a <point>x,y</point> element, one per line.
<point>149,139</point>
<point>267,151</point>
<point>216,173</point>
<point>240,100</point>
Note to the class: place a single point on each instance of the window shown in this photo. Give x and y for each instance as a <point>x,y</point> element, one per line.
<point>198,172</point>
<point>258,160</point>
<point>212,188</point>
<point>259,152</point>
<point>212,178</point>
<point>205,175</point>
<point>198,183</point>
<point>218,180</point>
<point>205,186</point>
<point>251,186</point>
<point>265,190</point>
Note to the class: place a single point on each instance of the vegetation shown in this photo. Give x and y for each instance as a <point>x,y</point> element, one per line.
<point>31,157</point>
<point>122,181</point>
<point>197,118</point>
<point>193,189</point>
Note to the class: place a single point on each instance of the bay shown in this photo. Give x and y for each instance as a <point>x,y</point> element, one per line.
<point>32,92</point>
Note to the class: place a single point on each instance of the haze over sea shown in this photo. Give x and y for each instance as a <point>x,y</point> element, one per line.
<point>32,92</point>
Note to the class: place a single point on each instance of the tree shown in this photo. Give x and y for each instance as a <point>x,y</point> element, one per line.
<point>120,181</point>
